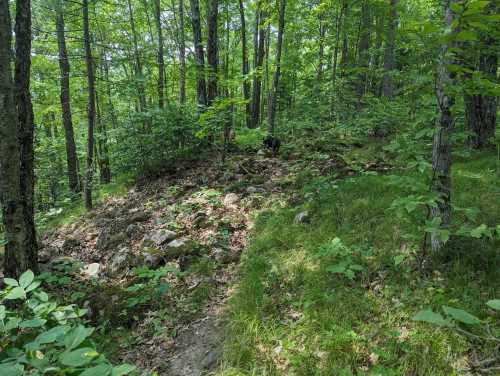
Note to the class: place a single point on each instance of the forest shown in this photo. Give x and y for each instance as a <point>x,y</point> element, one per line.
<point>251,187</point>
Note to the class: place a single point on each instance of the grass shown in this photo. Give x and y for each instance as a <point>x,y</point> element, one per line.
<point>291,316</point>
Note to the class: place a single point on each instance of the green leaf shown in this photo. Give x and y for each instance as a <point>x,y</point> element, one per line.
<point>2,312</point>
<point>100,370</point>
<point>78,358</point>
<point>461,316</point>
<point>124,369</point>
<point>465,36</point>
<point>494,304</point>
<point>16,293</point>
<point>74,338</point>
<point>430,317</point>
<point>11,282</point>
<point>399,259</point>
<point>33,286</point>
<point>457,8</point>
<point>336,268</point>
<point>26,278</point>
<point>51,335</point>
<point>11,370</point>
<point>35,323</point>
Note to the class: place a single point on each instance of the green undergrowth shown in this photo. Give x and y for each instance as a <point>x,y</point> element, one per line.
<point>336,295</point>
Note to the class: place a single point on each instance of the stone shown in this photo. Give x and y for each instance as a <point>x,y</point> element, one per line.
<point>152,258</point>
<point>46,254</point>
<point>91,270</point>
<point>230,200</point>
<point>138,217</point>
<point>132,230</point>
<point>108,240</point>
<point>120,262</point>
<point>302,217</point>
<point>70,243</point>
<point>223,256</point>
<point>179,247</point>
<point>199,219</point>
<point>159,238</point>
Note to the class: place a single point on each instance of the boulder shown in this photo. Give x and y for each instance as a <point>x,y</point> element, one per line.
<point>70,243</point>
<point>137,217</point>
<point>199,218</point>
<point>91,270</point>
<point>122,261</point>
<point>302,217</point>
<point>159,238</point>
<point>152,258</point>
<point>107,239</point>
<point>132,230</point>
<point>230,200</point>
<point>223,256</point>
<point>178,247</point>
<point>46,254</point>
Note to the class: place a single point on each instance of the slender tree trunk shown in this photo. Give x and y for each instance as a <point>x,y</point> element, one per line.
<point>182,54</point>
<point>441,153</point>
<point>201,88</point>
<point>91,109</point>
<point>389,55</point>
<point>244,66</point>
<point>212,49</point>
<point>364,49</point>
<point>338,28</point>
<point>26,123</point>
<point>139,76</point>
<point>20,253</point>
<point>161,62</point>
<point>276,77</point>
<point>259,59</point>
<point>321,53</point>
<point>64,67</point>
<point>102,140</point>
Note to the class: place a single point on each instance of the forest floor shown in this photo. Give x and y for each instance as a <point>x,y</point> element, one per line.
<point>213,267</point>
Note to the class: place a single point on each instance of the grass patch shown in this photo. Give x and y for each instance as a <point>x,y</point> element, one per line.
<point>291,314</point>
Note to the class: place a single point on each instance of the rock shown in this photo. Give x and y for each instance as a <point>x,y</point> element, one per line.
<point>138,217</point>
<point>199,219</point>
<point>46,254</point>
<point>123,260</point>
<point>223,256</point>
<point>91,270</point>
<point>261,153</point>
<point>179,247</point>
<point>159,238</point>
<point>70,243</point>
<point>107,240</point>
<point>102,222</point>
<point>230,200</point>
<point>152,258</point>
<point>132,230</point>
<point>302,217</point>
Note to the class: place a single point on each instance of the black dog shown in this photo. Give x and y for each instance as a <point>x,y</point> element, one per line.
<point>272,143</point>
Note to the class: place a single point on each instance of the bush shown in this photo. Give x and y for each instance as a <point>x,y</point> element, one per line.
<point>40,337</point>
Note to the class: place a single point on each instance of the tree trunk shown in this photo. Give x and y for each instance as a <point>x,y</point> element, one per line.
<point>161,62</point>
<point>389,54</point>
<point>339,23</point>
<point>276,77</point>
<point>259,59</point>
<point>64,67</point>
<point>344,62</point>
<point>212,47</point>
<point>441,151</point>
<point>102,145</point>
<point>364,49</point>
<point>182,55</point>
<point>91,109</point>
<point>138,64</point>
<point>244,66</point>
<point>25,122</point>
<point>321,53</point>
<point>20,251</point>
<point>201,88</point>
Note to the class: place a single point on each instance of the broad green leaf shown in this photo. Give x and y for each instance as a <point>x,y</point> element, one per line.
<point>16,293</point>
<point>79,357</point>
<point>336,269</point>
<point>33,286</point>
<point>461,315</point>
<point>124,369</point>
<point>100,370</point>
<point>11,282</point>
<point>494,304</point>
<point>457,8</point>
<point>11,370</point>
<point>399,259</point>
<point>26,278</point>
<point>2,312</point>
<point>35,323</point>
<point>430,317</point>
<point>74,338</point>
<point>51,335</point>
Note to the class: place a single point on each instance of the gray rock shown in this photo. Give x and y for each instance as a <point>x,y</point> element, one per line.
<point>179,247</point>
<point>302,217</point>
<point>223,256</point>
<point>70,243</point>
<point>230,200</point>
<point>152,258</point>
<point>137,217</point>
<point>46,254</point>
<point>91,270</point>
<point>107,240</point>
<point>123,260</point>
<point>199,218</point>
<point>132,230</point>
<point>159,238</point>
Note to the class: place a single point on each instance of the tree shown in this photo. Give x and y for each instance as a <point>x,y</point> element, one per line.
<point>139,76</point>
<point>259,52</point>
<point>182,55</point>
<point>364,48</point>
<point>276,77</point>
<point>245,68</point>
<point>16,152</point>
<point>91,108</point>
<point>64,67</point>
<point>201,88</point>
<point>161,62</point>
<point>441,150</point>
<point>389,55</point>
<point>212,49</point>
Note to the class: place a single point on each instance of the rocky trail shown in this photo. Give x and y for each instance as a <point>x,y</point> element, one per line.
<point>196,219</point>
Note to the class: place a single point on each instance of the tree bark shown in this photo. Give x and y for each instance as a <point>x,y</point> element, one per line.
<point>182,54</point>
<point>64,67</point>
<point>364,49</point>
<point>339,25</point>
<point>20,252</point>
<point>91,109</point>
<point>212,49</point>
<point>276,77</point>
<point>245,68</point>
<point>321,52</point>
<point>441,151</point>
<point>201,88</point>
<point>161,62</point>
<point>26,123</point>
<point>139,76</point>
<point>389,54</point>
<point>259,59</point>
